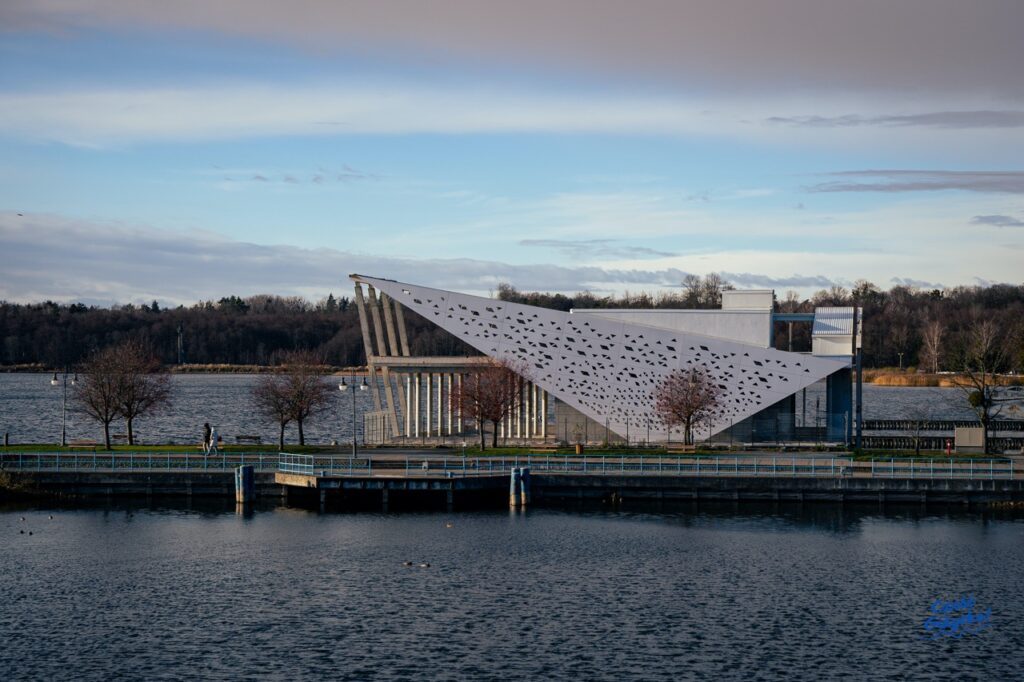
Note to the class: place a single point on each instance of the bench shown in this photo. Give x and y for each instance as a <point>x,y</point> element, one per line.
<point>681,449</point>
<point>83,445</point>
<point>255,440</point>
<point>544,448</point>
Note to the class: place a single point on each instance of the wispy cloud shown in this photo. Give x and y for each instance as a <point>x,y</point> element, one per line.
<point>111,262</point>
<point>752,280</point>
<point>96,118</point>
<point>596,248</point>
<point>957,120</point>
<point>1011,182</point>
<point>997,221</point>
<point>957,46</point>
<point>916,283</point>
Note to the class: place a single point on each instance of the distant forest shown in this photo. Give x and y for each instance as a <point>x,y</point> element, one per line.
<point>927,326</point>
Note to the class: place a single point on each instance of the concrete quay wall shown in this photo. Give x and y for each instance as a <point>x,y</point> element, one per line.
<point>546,487</point>
<point>555,487</point>
<point>140,484</point>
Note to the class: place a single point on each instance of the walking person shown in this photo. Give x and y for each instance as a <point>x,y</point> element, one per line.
<point>213,442</point>
<point>206,438</point>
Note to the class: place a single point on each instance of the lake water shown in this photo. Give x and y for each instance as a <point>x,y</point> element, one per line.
<point>30,410</point>
<point>733,593</point>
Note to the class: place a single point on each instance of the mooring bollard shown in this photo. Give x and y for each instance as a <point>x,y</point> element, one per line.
<point>514,483</point>
<point>245,484</point>
<point>524,486</point>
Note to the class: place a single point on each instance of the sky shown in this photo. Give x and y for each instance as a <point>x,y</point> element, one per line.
<point>183,151</point>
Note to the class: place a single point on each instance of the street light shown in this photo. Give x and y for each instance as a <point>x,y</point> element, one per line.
<point>344,385</point>
<point>64,407</point>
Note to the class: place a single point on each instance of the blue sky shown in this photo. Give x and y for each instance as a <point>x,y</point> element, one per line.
<point>186,151</point>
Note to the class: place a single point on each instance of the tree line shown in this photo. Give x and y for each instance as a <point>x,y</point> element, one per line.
<point>903,326</point>
<point>257,330</point>
<point>927,329</point>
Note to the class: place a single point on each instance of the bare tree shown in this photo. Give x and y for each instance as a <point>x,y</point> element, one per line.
<point>144,388</point>
<point>984,353</point>
<point>270,396</point>
<point>687,398</point>
<point>97,392</point>
<point>490,393</point>
<point>931,344</point>
<point>121,381</point>
<point>307,391</point>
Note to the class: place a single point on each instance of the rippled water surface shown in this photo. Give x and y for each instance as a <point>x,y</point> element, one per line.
<point>814,593</point>
<point>30,410</point>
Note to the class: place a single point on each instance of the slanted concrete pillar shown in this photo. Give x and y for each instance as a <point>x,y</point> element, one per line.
<point>364,326</point>
<point>392,335</point>
<point>382,349</point>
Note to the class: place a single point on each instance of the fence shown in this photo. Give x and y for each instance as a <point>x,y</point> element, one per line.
<point>751,466</point>
<point>136,461</point>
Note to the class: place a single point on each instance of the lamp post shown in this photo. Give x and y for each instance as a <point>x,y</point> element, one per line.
<point>64,406</point>
<point>343,386</point>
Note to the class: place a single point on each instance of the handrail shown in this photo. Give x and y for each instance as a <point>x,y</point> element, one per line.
<point>609,465</point>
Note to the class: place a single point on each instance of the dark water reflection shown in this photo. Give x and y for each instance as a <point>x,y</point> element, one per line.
<point>712,592</point>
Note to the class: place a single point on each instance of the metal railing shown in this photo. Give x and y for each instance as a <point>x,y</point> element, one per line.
<point>721,466</point>
<point>136,461</point>
<point>643,465</point>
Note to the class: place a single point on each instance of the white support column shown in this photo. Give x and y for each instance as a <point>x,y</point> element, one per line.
<point>430,404</point>
<point>544,414</point>
<point>450,406</point>
<point>531,411</point>
<point>519,410</point>
<point>417,380</point>
<point>440,405</point>
<point>408,405</point>
<point>458,409</point>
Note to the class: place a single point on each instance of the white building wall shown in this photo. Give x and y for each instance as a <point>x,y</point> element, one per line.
<point>743,326</point>
<point>608,369</point>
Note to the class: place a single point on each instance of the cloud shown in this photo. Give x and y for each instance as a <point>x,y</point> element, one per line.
<point>58,258</point>
<point>956,120</point>
<point>97,118</point>
<point>924,45</point>
<point>916,283</point>
<point>997,220</point>
<point>1011,182</point>
<point>751,280</point>
<point>596,248</point>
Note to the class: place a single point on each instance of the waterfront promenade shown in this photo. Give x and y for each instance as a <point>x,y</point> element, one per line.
<point>426,477</point>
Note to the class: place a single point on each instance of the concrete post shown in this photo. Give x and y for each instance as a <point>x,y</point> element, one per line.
<point>524,486</point>
<point>514,482</point>
<point>440,404</point>
<point>245,484</point>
